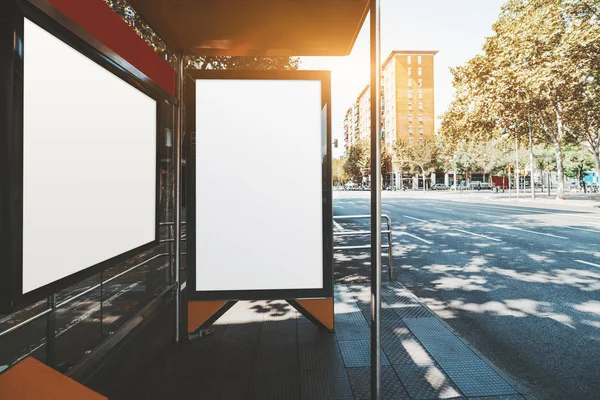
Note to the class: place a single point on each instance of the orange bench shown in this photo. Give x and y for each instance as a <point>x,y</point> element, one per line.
<point>32,380</point>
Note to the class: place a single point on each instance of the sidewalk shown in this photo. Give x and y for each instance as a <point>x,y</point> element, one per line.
<point>266,350</point>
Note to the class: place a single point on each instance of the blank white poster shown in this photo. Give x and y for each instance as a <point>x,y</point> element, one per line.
<point>259,201</point>
<point>89,162</point>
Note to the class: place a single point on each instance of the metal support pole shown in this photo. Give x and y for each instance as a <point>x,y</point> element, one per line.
<point>177,150</point>
<point>517,174</point>
<point>374,25</point>
<point>51,332</point>
<point>531,156</point>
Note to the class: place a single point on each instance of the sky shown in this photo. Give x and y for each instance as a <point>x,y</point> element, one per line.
<point>457,29</point>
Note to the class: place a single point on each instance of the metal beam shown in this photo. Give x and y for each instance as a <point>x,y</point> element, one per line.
<point>177,233</point>
<point>375,53</point>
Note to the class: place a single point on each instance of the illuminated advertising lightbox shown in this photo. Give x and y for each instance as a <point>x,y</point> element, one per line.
<point>259,185</point>
<point>82,174</point>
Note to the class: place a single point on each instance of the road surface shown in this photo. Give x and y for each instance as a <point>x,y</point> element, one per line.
<point>520,283</point>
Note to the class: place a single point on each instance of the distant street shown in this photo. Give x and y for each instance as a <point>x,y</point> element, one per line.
<point>519,281</point>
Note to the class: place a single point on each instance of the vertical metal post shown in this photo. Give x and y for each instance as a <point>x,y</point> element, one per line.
<point>517,174</point>
<point>177,234</point>
<point>375,54</point>
<point>531,155</point>
<point>101,305</point>
<point>51,332</point>
<point>391,255</point>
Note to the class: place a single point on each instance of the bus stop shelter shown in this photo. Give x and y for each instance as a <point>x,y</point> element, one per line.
<point>269,349</point>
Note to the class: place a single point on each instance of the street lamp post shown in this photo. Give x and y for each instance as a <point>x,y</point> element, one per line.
<point>531,156</point>
<point>517,172</point>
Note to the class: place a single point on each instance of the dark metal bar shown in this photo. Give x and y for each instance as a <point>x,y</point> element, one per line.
<point>375,18</point>
<point>355,233</point>
<point>178,136</point>
<point>51,332</point>
<point>366,246</point>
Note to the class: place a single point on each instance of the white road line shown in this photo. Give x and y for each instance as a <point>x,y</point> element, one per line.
<point>337,226</point>
<point>526,230</point>
<point>443,209</point>
<point>587,262</point>
<point>416,237</point>
<point>417,219</point>
<point>493,216</point>
<point>477,234</point>
<point>581,229</point>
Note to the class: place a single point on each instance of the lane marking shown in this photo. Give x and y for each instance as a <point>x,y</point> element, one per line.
<point>581,229</point>
<point>477,234</point>
<point>492,216</point>
<point>417,219</point>
<point>587,262</point>
<point>527,230</point>
<point>416,237</point>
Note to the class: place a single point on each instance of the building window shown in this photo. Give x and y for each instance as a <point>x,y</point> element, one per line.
<point>420,141</point>
<point>409,117</point>
<point>408,59</point>
<point>409,83</point>
<point>420,82</point>
<point>409,71</point>
<point>419,60</point>
<point>420,94</point>
<point>410,130</point>
<point>420,106</point>
<point>420,71</point>
<point>410,94</point>
<point>409,140</point>
<point>420,130</point>
<point>409,106</point>
<point>420,117</point>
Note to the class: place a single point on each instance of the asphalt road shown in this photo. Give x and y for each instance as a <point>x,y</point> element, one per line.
<point>520,283</point>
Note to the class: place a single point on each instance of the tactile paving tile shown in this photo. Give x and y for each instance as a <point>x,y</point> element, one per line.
<point>412,311</point>
<point>357,353</point>
<point>391,388</point>
<point>477,379</point>
<point>469,372</point>
<point>406,352</point>
<point>351,326</point>
<point>426,382</point>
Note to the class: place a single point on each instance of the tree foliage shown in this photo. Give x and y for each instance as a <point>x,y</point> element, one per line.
<point>540,70</point>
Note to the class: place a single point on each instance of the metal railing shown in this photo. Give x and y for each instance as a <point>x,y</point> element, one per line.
<point>368,246</point>
<point>70,299</point>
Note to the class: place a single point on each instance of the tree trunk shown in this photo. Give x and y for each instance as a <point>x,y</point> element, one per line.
<point>596,154</point>
<point>560,172</point>
<point>559,157</point>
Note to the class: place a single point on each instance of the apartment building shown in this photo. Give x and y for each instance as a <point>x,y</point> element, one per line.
<point>407,105</point>
<point>408,111</point>
<point>408,85</point>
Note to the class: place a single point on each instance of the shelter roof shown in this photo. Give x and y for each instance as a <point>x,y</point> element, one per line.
<point>256,27</point>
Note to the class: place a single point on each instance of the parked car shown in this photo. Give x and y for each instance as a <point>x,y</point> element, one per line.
<point>439,186</point>
<point>485,186</point>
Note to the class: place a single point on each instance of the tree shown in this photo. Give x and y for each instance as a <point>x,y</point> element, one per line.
<point>339,175</point>
<point>540,69</point>
<point>358,161</point>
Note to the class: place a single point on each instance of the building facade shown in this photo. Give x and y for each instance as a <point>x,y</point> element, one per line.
<point>408,112</point>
